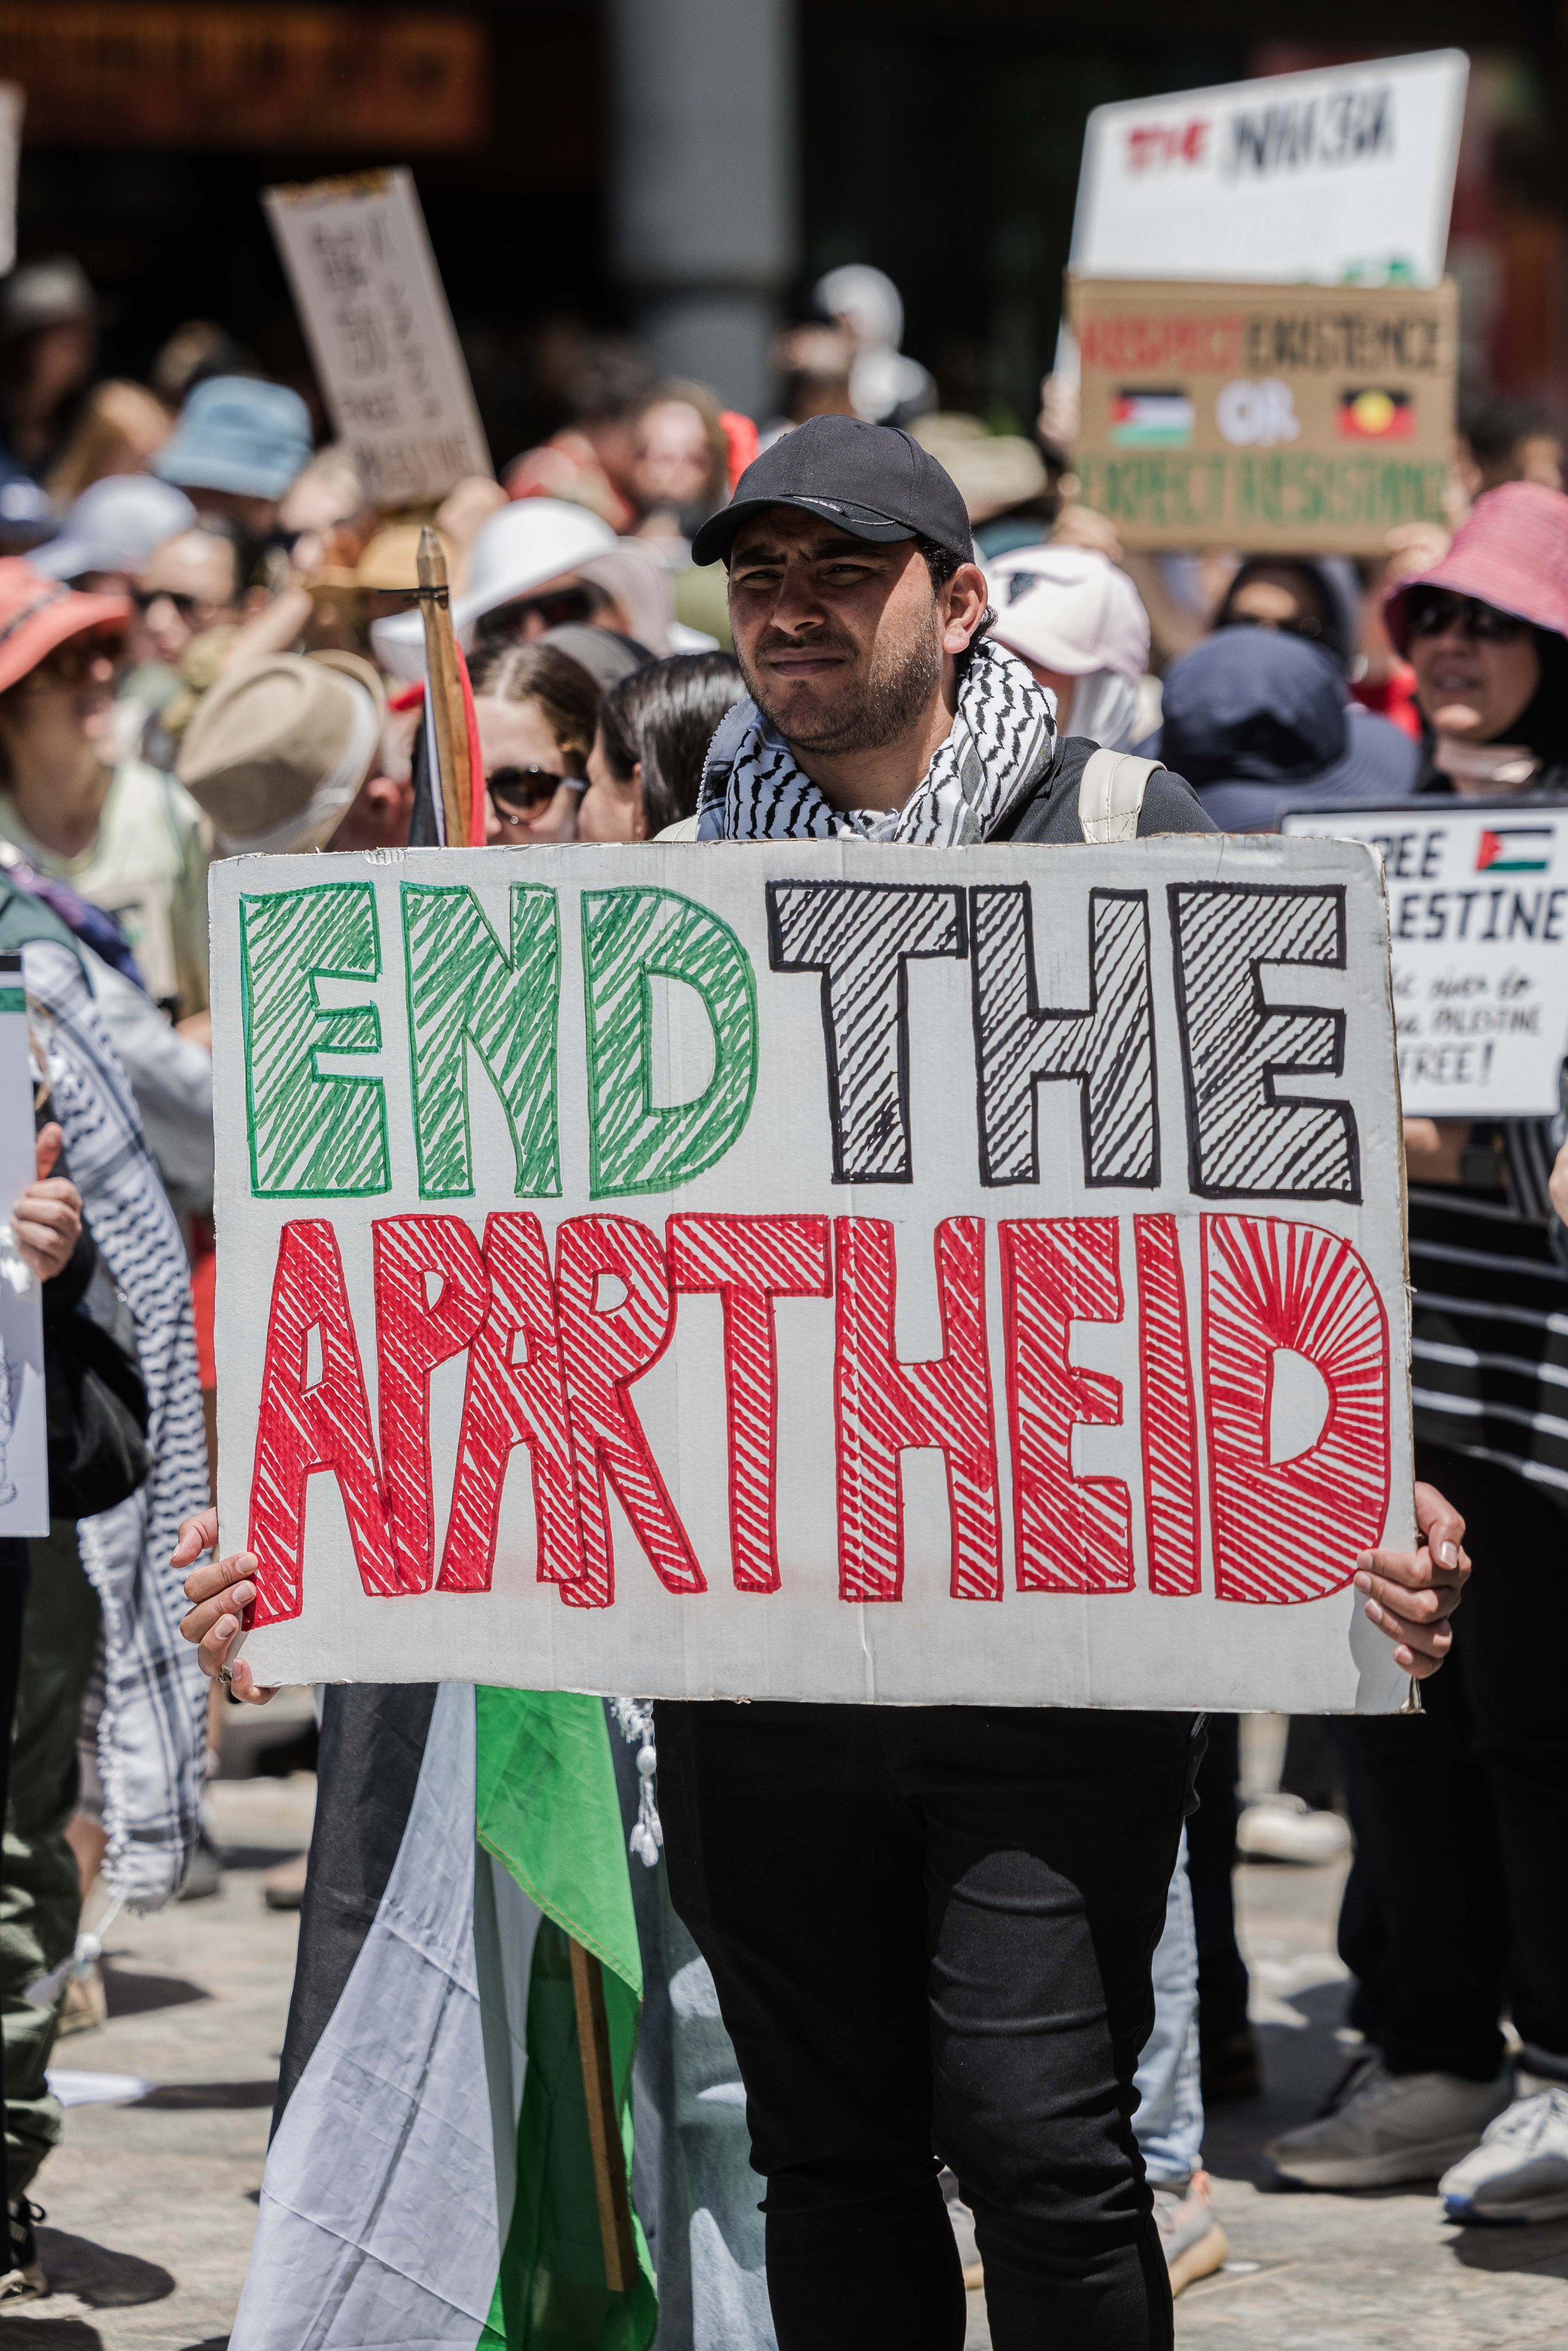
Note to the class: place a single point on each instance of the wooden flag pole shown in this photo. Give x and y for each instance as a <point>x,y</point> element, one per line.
<point>444,704</point>
<point>603,2122</point>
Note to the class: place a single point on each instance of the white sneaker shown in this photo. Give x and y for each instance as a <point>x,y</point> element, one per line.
<point>1194,2244</point>
<point>1388,2127</point>
<point>1282,1828</point>
<point>1520,2171</point>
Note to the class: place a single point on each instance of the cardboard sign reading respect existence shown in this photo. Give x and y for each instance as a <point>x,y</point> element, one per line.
<point>825,1270</point>
<point>374,311</point>
<point>1478,913</point>
<point>1295,418</point>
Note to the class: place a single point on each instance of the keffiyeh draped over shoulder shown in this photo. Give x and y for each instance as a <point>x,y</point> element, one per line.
<point>1003,740</point>
<point>151,1731</point>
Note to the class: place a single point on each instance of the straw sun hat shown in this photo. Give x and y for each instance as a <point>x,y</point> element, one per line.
<point>277,750</point>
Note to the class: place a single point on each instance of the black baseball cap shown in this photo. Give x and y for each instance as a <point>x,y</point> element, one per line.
<point>871,480</point>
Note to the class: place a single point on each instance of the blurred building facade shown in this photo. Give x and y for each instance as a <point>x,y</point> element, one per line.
<point>687,168</point>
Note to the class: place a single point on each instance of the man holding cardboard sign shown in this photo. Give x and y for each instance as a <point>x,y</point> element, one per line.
<point>930,1918</point>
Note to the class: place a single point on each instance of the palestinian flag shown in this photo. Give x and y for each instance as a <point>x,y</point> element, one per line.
<point>1515,849</point>
<point>1151,420</point>
<point>431,2181</point>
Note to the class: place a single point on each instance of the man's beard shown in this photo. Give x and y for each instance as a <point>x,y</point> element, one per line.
<point>879,707</point>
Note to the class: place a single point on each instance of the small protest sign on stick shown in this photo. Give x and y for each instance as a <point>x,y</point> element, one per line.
<point>376,317</point>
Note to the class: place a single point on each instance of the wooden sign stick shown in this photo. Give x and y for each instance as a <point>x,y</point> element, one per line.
<point>603,2122</point>
<point>443,700</point>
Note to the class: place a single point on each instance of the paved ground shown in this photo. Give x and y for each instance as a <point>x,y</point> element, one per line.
<point>152,2204</point>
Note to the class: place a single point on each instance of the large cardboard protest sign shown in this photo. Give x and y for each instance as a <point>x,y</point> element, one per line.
<point>1264,416</point>
<point>1342,174</point>
<point>822,1271</point>
<point>375,315</point>
<point>1478,910</point>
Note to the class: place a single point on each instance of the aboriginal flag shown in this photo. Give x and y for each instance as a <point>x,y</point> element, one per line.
<point>1372,414</point>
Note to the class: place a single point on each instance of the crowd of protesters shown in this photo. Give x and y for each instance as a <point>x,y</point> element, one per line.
<point>209,646</point>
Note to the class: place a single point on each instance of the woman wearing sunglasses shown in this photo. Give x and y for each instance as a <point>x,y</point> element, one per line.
<point>1486,632</point>
<point>537,710</point>
<point>1464,1826</point>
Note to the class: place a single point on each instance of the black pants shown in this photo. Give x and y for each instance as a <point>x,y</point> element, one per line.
<point>930,1929</point>
<point>1464,1811</point>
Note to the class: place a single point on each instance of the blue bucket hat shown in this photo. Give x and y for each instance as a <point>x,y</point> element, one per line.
<point>239,435</point>
<point>115,525</point>
<point>1258,723</point>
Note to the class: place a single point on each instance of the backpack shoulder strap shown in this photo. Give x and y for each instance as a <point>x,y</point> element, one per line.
<point>1111,795</point>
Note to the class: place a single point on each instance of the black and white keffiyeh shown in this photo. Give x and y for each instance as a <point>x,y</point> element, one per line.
<point>151,1727</point>
<point>1003,733</point>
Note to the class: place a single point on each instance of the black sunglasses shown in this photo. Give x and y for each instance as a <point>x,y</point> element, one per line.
<point>517,793</point>
<point>1431,611</point>
<point>562,608</point>
<point>187,607</point>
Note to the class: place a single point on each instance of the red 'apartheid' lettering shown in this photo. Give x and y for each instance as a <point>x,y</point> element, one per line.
<point>302,1428</point>
<point>1073,1534</point>
<point>1170,1413</point>
<point>551,1360</point>
<point>750,1262</point>
<point>515,1395</point>
<point>883,1405</point>
<point>604,1348</point>
<point>413,1334</point>
<point>1288,1531</point>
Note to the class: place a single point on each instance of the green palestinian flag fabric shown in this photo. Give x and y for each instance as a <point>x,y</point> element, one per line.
<point>547,1811</point>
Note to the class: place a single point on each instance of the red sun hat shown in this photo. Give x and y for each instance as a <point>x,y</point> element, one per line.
<point>1512,553</point>
<point>37,615</point>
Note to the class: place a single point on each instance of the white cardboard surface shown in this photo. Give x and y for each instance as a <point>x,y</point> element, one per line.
<point>1344,175</point>
<point>375,315</point>
<point>24,1436</point>
<point>1304,1242</point>
<point>1478,905</point>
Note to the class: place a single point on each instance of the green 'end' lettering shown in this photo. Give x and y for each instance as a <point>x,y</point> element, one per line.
<point>311,1136</point>
<point>628,936</point>
<point>463,990</point>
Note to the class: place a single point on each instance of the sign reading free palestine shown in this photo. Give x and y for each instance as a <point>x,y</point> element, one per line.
<point>1478,903</point>
<point>833,1270</point>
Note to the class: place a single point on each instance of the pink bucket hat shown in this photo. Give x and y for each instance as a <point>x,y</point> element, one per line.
<point>1511,553</point>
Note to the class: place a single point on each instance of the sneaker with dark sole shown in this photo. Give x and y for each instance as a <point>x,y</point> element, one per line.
<point>1194,2244</point>
<point>1520,2171</point>
<point>23,2279</point>
<point>1385,2128</point>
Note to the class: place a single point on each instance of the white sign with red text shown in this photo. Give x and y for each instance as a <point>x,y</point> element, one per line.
<point>826,1271</point>
<point>1477,919</point>
<point>1341,176</point>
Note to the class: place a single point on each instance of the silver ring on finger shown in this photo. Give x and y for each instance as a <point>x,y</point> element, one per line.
<point>226,1675</point>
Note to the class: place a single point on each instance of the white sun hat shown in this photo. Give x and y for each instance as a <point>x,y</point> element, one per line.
<point>521,547</point>
<point>1069,608</point>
